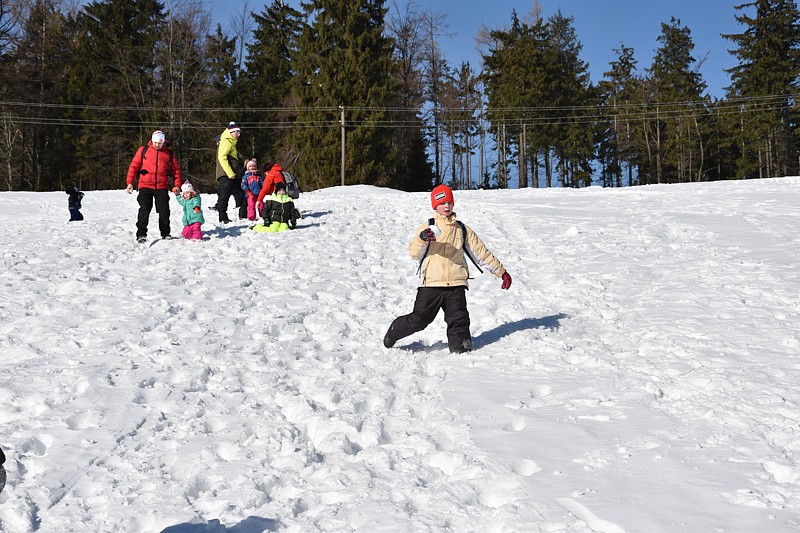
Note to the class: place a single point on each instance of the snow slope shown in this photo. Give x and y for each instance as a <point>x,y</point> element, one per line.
<point>641,374</point>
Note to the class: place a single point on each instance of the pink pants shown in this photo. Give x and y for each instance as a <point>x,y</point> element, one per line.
<point>251,208</point>
<point>192,231</point>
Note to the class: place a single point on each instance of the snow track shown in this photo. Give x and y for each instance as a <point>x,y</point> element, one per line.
<point>646,351</point>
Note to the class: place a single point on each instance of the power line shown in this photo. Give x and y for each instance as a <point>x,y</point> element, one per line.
<point>461,116</point>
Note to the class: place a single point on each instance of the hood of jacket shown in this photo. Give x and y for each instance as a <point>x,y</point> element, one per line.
<point>227,135</point>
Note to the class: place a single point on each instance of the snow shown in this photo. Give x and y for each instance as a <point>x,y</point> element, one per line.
<point>641,374</point>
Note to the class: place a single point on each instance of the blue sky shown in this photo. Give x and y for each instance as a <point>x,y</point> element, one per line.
<point>601,26</point>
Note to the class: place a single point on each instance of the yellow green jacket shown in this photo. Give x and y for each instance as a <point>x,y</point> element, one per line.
<point>225,151</point>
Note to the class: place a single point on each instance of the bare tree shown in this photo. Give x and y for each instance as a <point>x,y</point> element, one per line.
<point>8,24</point>
<point>406,27</point>
<point>242,25</point>
<point>436,71</point>
<point>187,23</point>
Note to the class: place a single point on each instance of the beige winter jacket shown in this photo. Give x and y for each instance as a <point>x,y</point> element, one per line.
<point>445,264</point>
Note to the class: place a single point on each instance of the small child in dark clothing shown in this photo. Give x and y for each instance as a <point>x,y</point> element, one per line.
<point>74,203</point>
<point>279,212</point>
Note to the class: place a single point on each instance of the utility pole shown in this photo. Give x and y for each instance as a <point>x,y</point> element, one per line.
<point>341,108</point>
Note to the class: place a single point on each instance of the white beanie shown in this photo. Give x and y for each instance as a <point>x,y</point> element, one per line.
<point>187,187</point>
<point>158,136</point>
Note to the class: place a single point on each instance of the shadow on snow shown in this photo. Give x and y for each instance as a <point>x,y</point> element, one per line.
<point>551,322</point>
<point>251,524</point>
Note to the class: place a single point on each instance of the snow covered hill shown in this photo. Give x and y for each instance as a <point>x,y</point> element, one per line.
<point>641,374</point>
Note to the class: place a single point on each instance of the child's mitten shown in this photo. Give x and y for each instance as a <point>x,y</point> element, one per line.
<point>427,235</point>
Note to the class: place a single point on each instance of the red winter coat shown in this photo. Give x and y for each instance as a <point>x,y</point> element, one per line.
<point>156,163</point>
<point>275,175</point>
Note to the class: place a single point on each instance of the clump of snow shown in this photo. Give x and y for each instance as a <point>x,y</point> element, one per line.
<point>641,374</point>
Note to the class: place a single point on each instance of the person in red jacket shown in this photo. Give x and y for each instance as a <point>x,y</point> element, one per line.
<point>155,165</point>
<point>272,174</point>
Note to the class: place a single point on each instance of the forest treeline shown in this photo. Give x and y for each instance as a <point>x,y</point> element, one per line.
<point>83,85</point>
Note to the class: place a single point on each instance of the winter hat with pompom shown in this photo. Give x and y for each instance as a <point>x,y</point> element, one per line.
<point>187,187</point>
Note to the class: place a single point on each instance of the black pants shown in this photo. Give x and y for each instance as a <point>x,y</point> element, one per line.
<point>226,188</point>
<point>453,300</point>
<point>145,199</point>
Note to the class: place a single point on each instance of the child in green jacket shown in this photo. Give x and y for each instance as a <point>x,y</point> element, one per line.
<point>192,212</point>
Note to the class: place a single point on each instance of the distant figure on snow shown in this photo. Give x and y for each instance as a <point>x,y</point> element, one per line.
<point>74,203</point>
<point>440,247</point>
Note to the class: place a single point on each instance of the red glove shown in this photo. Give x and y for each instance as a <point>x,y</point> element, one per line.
<point>427,235</point>
<point>175,190</point>
<point>197,209</point>
<point>506,281</point>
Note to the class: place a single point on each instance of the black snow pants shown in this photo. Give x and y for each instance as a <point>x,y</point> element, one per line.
<point>453,300</point>
<point>145,199</point>
<point>226,188</point>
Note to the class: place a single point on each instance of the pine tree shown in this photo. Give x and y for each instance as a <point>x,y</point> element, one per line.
<point>764,84</point>
<point>115,66</point>
<point>412,171</point>
<point>37,67</point>
<point>267,85</point>
<point>675,127</point>
<point>184,83</point>
<point>514,81</point>
<point>462,96</point>
<point>343,63</point>
<point>537,88</point>
<point>617,146</point>
<point>568,92</point>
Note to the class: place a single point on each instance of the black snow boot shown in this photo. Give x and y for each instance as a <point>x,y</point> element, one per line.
<point>462,347</point>
<point>388,341</point>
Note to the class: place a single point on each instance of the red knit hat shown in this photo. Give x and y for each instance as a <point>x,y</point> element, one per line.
<point>440,195</point>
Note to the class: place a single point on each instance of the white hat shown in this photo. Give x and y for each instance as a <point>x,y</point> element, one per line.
<point>187,187</point>
<point>158,136</point>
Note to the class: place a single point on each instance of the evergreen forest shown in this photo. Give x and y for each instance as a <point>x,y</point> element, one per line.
<point>359,92</point>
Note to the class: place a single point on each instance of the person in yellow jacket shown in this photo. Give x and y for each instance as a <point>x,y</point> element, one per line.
<point>441,249</point>
<point>229,183</point>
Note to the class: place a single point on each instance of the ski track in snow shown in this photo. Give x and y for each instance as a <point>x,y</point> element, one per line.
<point>242,380</point>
